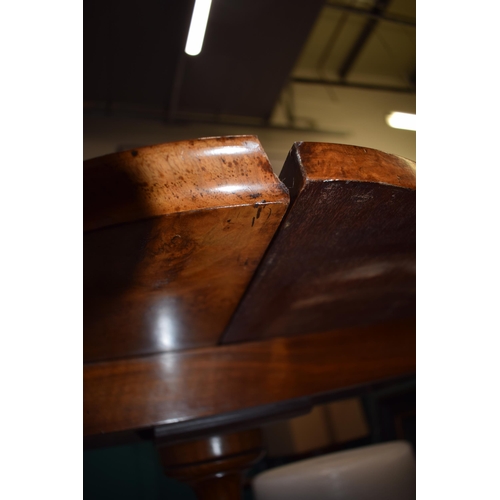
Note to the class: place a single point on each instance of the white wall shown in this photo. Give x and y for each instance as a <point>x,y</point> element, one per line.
<point>347,116</point>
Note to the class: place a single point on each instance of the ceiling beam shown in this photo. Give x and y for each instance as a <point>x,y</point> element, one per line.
<point>371,24</point>
<point>368,13</point>
<point>363,86</point>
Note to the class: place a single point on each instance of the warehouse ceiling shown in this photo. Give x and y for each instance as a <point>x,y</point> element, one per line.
<point>257,57</point>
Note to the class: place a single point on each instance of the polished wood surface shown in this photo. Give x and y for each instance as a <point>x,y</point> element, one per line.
<point>173,235</point>
<point>177,177</point>
<point>341,162</point>
<point>344,254</point>
<point>215,465</point>
<point>185,258</point>
<point>176,387</point>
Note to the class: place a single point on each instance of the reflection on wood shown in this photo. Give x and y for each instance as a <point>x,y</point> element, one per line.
<point>214,466</point>
<point>174,234</point>
<point>177,387</point>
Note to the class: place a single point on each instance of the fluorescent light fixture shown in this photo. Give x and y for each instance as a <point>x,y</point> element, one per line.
<point>405,121</point>
<point>198,27</point>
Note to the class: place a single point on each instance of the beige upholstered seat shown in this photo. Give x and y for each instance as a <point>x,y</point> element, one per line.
<point>383,471</point>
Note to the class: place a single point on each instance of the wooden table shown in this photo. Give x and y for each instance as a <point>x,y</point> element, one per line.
<point>218,297</point>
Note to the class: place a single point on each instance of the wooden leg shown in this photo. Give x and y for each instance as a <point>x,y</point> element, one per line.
<point>215,465</point>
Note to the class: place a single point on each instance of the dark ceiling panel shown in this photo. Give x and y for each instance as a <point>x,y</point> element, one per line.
<point>132,52</point>
<point>249,51</point>
<point>131,49</point>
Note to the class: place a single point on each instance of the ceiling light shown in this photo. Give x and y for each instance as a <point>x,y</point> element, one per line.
<point>405,121</point>
<point>198,26</point>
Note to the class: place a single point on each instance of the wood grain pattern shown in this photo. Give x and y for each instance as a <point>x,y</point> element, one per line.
<point>341,162</point>
<point>174,235</point>
<point>175,387</point>
<point>345,252</point>
<point>177,177</point>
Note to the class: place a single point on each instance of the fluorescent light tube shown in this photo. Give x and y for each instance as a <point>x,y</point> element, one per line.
<point>404,121</point>
<point>198,27</point>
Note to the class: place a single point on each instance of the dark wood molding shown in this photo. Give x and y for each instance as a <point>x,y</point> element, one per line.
<point>213,466</point>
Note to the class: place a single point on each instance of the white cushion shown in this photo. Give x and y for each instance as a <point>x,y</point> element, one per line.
<point>383,471</point>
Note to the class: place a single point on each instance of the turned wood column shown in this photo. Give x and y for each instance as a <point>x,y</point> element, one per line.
<point>214,466</point>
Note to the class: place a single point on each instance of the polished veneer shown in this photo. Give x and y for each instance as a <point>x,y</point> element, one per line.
<point>171,388</point>
<point>345,252</point>
<point>173,234</point>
